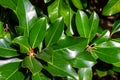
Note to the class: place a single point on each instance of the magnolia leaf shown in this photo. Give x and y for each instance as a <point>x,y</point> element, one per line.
<point>37,32</point>
<point>32,64</point>
<point>54,32</point>
<point>111,8</point>
<point>85,74</point>
<point>11,71</point>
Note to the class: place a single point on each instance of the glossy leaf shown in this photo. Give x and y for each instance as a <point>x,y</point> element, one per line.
<point>112,7</point>
<point>116,27</point>
<point>37,32</point>
<point>26,13</point>
<point>7,61</point>
<point>32,64</point>
<point>93,21</point>
<point>39,76</point>
<point>83,60</point>
<point>102,38</point>
<point>54,32</point>
<point>60,67</point>
<point>9,4</point>
<point>5,50</point>
<point>82,24</point>
<point>2,32</point>
<point>70,47</point>
<point>108,51</point>
<point>53,10</point>
<point>11,71</point>
<point>77,4</point>
<point>23,42</point>
<point>85,74</point>
<point>65,8</point>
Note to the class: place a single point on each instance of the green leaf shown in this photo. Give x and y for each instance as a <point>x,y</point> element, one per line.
<point>60,67</point>
<point>65,8</point>
<point>77,4</point>
<point>101,73</point>
<point>82,24</point>
<point>93,21</point>
<point>37,32</point>
<point>26,13</point>
<point>7,61</point>
<point>5,50</point>
<point>2,32</point>
<point>9,4</point>
<point>40,76</point>
<point>83,60</point>
<point>102,38</point>
<point>116,27</point>
<point>111,8</point>
<point>54,32</point>
<point>85,74</point>
<point>108,51</point>
<point>23,42</point>
<point>69,47</point>
<point>53,10</point>
<point>11,71</point>
<point>32,64</point>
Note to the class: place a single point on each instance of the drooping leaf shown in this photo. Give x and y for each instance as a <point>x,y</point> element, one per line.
<point>111,8</point>
<point>69,47</point>
<point>85,74</point>
<point>93,21</point>
<point>102,38</point>
<point>23,42</point>
<point>54,32</point>
<point>9,4</point>
<point>26,13</point>
<point>108,51</point>
<point>40,76</point>
<point>83,60</point>
<point>11,71</point>
<point>77,4</point>
<point>2,32</point>
<point>37,32</point>
<point>32,64</point>
<point>5,50</point>
<point>82,24</point>
<point>116,27</point>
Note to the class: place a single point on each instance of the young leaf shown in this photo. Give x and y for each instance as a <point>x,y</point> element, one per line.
<point>83,60</point>
<point>2,32</point>
<point>26,13</point>
<point>32,64</point>
<point>116,27</point>
<point>9,4</point>
<point>23,42</point>
<point>40,76</point>
<point>54,32</point>
<point>82,24</point>
<point>37,32</point>
<point>11,71</point>
<point>85,74</point>
<point>93,21</point>
<point>111,8</point>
